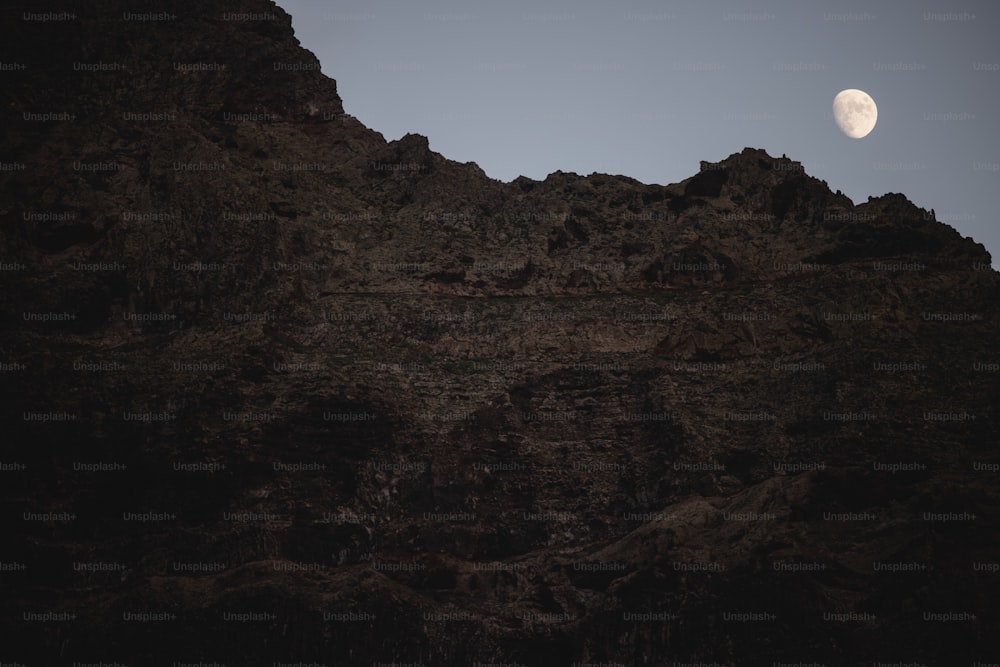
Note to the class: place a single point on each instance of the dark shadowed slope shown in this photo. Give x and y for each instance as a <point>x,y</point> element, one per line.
<point>303,394</point>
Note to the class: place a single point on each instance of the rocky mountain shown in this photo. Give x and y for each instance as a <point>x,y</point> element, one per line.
<point>276,390</point>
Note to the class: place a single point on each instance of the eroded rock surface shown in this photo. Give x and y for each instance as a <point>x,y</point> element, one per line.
<point>258,360</point>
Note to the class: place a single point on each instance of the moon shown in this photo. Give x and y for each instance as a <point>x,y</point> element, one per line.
<point>855,112</point>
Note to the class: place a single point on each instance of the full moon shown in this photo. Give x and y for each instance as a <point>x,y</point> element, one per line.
<point>855,112</point>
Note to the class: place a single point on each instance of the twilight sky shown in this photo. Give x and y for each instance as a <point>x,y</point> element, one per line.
<point>647,89</point>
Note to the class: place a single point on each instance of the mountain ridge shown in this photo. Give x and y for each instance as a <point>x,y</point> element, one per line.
<point>361,403</point>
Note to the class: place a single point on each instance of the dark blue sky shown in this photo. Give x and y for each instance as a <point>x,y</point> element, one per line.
<point>648,89</point>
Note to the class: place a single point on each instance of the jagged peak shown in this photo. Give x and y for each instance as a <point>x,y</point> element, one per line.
<point>413,139</point>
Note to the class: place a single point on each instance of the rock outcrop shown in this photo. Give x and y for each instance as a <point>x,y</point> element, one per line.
<point>277,390</point>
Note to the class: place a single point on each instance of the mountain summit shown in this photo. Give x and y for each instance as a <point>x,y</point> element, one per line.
<point>275,389</point>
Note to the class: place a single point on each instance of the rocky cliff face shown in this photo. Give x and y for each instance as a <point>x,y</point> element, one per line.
<point>277,390</point>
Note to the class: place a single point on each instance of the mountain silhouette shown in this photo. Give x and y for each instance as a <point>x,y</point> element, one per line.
<point>278,390</point>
